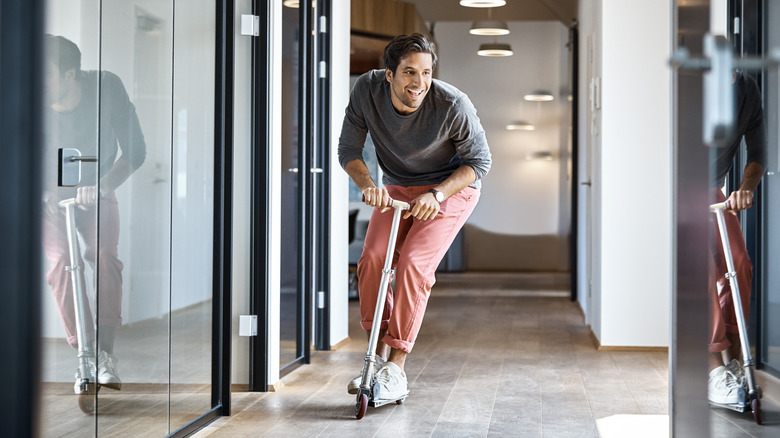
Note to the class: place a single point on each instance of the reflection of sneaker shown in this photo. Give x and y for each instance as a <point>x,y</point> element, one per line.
<point>90,379</point>
<point>107,375</point>
<point>354,384</point>
<point>723,387</point>
<point>736,368</point>
<point>391,383</point>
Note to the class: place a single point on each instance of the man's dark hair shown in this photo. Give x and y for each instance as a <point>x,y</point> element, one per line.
<point>63,53</point>
<point>403,45</point>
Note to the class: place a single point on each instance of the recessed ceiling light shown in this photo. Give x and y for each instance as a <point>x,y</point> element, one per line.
<point>495,50</point>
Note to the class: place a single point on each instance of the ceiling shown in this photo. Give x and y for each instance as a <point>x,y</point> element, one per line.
<point>514,10</point>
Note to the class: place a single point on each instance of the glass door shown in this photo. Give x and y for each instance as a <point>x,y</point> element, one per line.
<point>129,223</point>
<point>769,334</point>
<point>293,173</point>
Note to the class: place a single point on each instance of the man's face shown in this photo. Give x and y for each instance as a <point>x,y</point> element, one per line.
<point>411,81</point>
<point>56,84</point>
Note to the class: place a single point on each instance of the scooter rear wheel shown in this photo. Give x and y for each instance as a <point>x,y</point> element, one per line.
<point>87,403</point>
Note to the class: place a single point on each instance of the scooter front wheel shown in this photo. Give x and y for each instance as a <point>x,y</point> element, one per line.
<point>361,406</point>
<point>755,405</point>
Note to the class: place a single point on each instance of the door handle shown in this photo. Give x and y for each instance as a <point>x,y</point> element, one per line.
<point>69,166</point>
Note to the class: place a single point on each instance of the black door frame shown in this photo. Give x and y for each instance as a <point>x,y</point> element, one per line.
<point>223,219</point>
<point>688,407</point>
<point>313,181</point>
<point>20,169</point>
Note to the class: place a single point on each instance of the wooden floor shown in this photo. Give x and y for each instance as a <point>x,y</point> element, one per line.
<point>498,365</point>
<point>490,361</point>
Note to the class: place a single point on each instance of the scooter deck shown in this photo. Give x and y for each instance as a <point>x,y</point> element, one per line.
<point>378,403</point>
<point>739,407</point>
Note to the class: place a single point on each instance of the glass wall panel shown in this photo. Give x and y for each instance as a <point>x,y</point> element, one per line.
<point>192,215</point>
<point>71,114</point>
<point>770,334</point>
<point>130,134</point>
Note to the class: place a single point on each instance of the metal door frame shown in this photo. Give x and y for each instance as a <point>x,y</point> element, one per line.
<point>688,406</point>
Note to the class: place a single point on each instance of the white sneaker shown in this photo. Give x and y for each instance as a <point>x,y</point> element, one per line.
<point>723,387</point>
<point>106,373</point>
<point>354,385</point>
<point>736,368</point>
<point>391,383</point>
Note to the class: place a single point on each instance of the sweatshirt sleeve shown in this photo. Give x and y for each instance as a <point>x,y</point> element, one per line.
<point>124,120</point>
<point>755,134</point>
<point>354,128</point>
<point>469,138</point>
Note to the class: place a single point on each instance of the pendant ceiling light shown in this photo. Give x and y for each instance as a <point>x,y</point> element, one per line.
<point>539,96</point>
<point>487,27</point>
<point>495,49</point>
<point>519,125</point>
<point>482,3</point>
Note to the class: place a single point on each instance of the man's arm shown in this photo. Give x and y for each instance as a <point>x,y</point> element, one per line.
<point>742,198</point>
<point>425,206</point>
<point>372,195</point>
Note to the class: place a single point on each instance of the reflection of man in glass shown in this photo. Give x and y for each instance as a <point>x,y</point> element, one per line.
<point>726,378</point>
<point>89,111</point>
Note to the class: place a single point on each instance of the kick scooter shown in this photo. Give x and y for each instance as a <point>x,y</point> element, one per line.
<point>754,392</point>
<point>368,384</point>
<point>86,386</point>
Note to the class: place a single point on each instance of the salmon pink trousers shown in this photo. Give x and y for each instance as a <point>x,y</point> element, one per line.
<point>420,246</point>
<point>723,319</point>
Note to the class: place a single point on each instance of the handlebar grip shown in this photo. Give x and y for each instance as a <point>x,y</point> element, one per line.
<point>396,204</point>
<point>720,206</point>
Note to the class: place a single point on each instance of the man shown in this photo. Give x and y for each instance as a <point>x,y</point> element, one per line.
<point>433,152</point>
<point>726,376</point>
<point>89,111</point>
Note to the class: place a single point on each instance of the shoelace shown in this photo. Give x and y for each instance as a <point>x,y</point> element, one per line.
<point>738,372</point>
<point>386,378</point>
<point>728,381</point>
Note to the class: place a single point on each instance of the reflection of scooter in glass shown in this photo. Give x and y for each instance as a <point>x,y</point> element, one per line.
<point>754,392</point>
<point>365,395</point>
<point>85,386</point>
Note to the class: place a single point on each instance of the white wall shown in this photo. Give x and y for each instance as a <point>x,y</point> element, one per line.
<point>631,276</point>
<point>339,182</point>
<point>526,193</point>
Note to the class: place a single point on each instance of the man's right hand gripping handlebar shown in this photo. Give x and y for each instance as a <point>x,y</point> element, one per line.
<point>379,198</point>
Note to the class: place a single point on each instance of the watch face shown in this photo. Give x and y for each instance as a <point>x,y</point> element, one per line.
<point>439,197</point>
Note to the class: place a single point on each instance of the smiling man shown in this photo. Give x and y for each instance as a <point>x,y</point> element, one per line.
<point>433,152</point>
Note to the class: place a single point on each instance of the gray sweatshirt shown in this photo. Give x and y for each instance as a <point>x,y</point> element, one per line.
<point>417,149</point>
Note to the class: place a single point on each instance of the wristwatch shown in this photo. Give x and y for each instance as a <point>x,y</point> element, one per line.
<point>438,195</point>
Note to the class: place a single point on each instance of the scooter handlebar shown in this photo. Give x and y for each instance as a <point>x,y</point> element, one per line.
<point>720,206</point>
<point>396,204</point>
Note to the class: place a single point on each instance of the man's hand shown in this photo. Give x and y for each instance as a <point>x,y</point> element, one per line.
<point>49,203</point>
<point>87,197</point>
<point>377,198</point>
<point>740,200</point>
<point>424,207</point>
